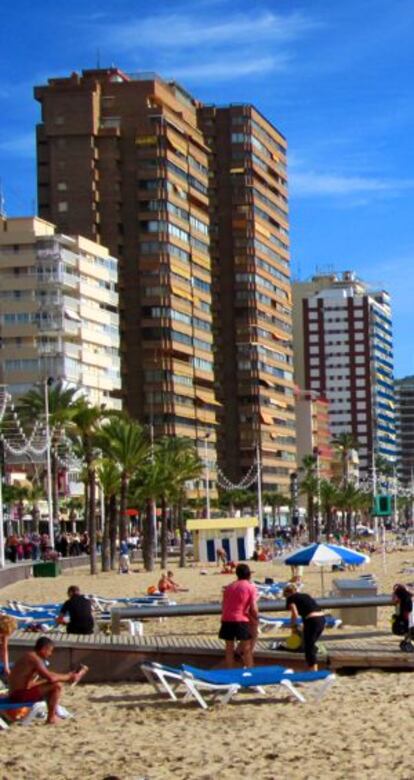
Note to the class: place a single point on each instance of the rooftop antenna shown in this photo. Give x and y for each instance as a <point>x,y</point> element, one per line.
<point>98,59</point>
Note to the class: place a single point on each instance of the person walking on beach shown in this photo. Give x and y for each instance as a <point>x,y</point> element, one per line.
<point>403,601</point>
<point>304,606</point>
<point>31,681</point>
<point>239,618</point>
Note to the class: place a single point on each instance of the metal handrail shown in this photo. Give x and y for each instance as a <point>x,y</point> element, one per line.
<point>185,610</point>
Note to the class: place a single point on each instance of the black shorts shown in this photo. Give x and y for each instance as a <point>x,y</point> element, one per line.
<point>230,631</point>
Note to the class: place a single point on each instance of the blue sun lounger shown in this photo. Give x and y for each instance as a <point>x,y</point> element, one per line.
<point>37,710</point>
<point>225,683</point>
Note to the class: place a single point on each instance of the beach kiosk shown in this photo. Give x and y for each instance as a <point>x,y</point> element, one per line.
<point>235,535</point>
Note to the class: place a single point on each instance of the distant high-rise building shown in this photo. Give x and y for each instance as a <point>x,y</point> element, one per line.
<point>58,311</point>
<point>251,292</point>
<point>404,417</point>
<point>343,350</point>
<point>313,431</point>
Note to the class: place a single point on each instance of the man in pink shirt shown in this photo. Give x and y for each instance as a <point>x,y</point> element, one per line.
<point>239,616</point>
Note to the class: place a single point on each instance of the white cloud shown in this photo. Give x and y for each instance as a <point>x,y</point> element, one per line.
<point>183,30</point>
<point>222,69</point>
<point>312,183</point>
<point>22,145</point>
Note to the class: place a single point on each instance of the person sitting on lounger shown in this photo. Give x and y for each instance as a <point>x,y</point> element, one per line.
<point>79,610</point>
<point>7,626</point>
<point>31,681</point>
<point>165,585</point>
<point>303,605</point>
<point>239,617</point>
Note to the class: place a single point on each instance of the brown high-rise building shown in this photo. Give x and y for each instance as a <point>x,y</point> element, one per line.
<point>138,164</point>
<point>120,159</point>
<point>251,292</point>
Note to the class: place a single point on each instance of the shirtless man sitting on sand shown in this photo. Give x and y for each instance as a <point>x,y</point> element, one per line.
<point>31,681</point>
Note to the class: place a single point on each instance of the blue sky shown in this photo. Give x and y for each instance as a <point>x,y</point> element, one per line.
<point>336,78</point>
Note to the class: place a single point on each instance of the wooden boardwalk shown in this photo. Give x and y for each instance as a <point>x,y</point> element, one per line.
<point>117,658</point>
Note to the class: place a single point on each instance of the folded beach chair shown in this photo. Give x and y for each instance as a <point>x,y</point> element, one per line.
<point>267,623</point>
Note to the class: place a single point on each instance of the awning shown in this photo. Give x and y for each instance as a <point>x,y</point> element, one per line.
<point>71,314</point>
<point>181,293</point>
<point>184,272</point>
<point>266,418</point>
<point>206,398</point>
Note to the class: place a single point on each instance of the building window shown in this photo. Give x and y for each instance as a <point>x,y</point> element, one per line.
<point>62,206</point>
<point>62,186</point>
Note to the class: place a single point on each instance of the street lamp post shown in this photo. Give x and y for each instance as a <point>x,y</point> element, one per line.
<point>259,492</point>
<point>317,453</point>
<point>47,384</point>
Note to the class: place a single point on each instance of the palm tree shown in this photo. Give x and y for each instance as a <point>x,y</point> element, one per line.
<point>309,485</point>
<point>275,500</point>
<point>344,443</point>
<point>35,493</point>
<point>109,478</point>
<point>86,420</point>
<point>329,494</point>
<point>163,479</point>
<point>239,498</point>
<point>350,499</point>
<point>61,406</point>
<point>124,441</point>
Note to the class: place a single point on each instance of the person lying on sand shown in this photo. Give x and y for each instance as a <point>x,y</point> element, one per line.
<point>31,681</point>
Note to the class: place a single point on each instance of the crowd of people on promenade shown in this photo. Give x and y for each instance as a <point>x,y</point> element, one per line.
<point>35,547</point>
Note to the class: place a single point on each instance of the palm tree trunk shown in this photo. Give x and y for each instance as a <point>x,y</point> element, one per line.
<point>35,517</point>
<point>106,546</point>
<point>148,540</point>
<point>92,520</point>
<point>311,519</point>
<point>55,486</point>
<point>123,523</point>
<point>164,534</point>
<point>20,513</point>
<point>112,531</point>
<point>181,526</point>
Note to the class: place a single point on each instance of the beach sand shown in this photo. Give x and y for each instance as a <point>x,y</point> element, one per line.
<point>359,730</point>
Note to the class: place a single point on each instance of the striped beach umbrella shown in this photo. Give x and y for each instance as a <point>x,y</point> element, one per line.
<point>325,555</point>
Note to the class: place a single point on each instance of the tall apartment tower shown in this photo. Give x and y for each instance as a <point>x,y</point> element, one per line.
<point>404,418</point>
<point>343,350</point>
<point>251,292</point>
<point>122,160</point>
<point>58,311</point>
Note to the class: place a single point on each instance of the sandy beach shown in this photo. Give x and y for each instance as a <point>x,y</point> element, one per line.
<point>126,730</point>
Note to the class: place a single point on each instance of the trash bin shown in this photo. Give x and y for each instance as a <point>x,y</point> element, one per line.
<point>356,616</point>
<point>47,569</point>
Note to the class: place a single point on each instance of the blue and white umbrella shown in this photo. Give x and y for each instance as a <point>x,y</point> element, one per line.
<point>325,555</point>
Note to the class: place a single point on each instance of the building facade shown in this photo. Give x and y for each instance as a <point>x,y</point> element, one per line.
<point>121,159</point>
<point>58,311</point>
<point>193,201</point>
<point>313,430</point>
<point>251,293</point>
<point>343,350</point>
<point>404,417</point>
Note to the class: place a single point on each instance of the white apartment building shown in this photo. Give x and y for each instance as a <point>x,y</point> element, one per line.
<point>343,350</point>
<point>58,311</point>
